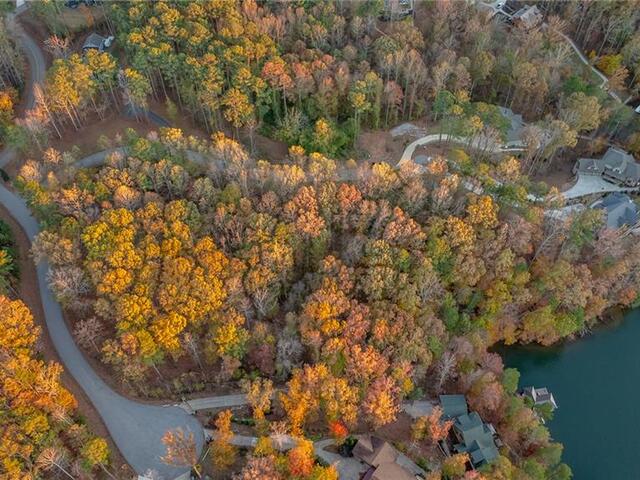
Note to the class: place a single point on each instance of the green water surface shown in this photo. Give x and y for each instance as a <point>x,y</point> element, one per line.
<point>596,383</point>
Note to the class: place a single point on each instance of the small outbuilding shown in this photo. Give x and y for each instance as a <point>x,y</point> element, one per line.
<point>397,9</point>
<point>97,42</point>
<point>540,396</point>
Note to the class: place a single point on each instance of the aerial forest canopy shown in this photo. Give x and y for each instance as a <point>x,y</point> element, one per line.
<point>376,282</point>
<point>316,74</point>
<point>340,289</point>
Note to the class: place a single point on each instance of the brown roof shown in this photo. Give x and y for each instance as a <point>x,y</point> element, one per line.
<point>392,471</point>
<point>374,451</point>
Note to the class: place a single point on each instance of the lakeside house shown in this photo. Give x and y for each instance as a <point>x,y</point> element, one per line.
<point>619,210</point>
<point>469,433</point>
<point>615,166</point>
<point>540,396</point>
<point>385,462</point>
<point>453,405</point>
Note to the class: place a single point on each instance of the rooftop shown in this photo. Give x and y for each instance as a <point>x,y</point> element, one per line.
<point>529,16</point>
<point>374,451</point>
<point>388,471</point>
<point>620,210</point>
<point>540,396</point>
<point>386,462</point>
<point>616,165</point>
<point>94,41</point>
<point>453,405</point>
<point>476,438</point>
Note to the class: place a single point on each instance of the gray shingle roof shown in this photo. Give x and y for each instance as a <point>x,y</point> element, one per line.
<point>620,210</point>
<point>477,438</point>
<point>94,41</point>
<point>615,164</point>
<point>453,405</point>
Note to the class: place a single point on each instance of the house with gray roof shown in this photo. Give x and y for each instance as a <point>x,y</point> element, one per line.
<point>470,434</point>
<point>615,166</point>
<point>540,396</point>
<point>619,210</point>
<point>453,405</point>
<point>527,17</point>
<point>475,438</point>
<point>97,42</point>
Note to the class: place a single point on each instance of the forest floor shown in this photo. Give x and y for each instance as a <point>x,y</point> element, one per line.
<point>115,122</point>
<point>28,291</point>
<point>559,175</point>
<point>380,146</point>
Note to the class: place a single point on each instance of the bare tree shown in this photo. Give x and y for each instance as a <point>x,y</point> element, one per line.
<point>57,46</point>
<point>181,450</point>
<point>51,458</point>
<point>87,331</point>
<point>191,343</point>
<point>289,352</point>
<point>445,367</point>
<point>279,433</point>
<point>68,283</point>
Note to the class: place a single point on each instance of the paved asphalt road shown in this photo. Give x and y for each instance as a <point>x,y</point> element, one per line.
<point>207,403</point>
<point>37,70</point>
<point>136,428</point>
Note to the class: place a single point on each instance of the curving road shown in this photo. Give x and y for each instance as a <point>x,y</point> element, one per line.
<point>437,137</point>
<point>37,70</point>
<point>136,428</point>
<point>497,7</point>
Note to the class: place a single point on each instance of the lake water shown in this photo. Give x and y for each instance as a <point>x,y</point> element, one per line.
<point>596,383</point>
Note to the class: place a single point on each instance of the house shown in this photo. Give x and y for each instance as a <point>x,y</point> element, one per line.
<point>616,166</point>
<point>97,42</point>
<point>527,17</point>
<point>470,434</point>
<point>397,9</point>
<point>388,471</point>
<point>385,462</point>
<point>453,405</point>
<point>475,438</point>
<point>540,396</point>
<point>516,125</point>
<point>620,210</point>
